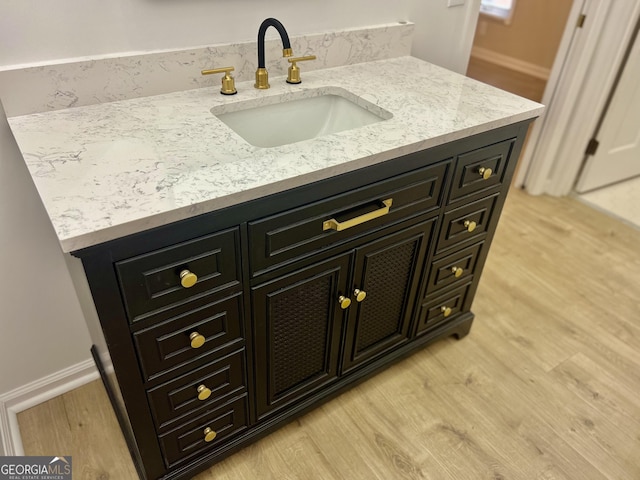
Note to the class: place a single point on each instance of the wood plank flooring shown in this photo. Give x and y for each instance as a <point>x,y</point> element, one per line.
<point>546,386</point>
<point>512,81</point>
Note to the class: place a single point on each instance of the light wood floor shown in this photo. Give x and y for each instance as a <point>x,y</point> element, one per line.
<point>512,81</point>
<point>546,385</point>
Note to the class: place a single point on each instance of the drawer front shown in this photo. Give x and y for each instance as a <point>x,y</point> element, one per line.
<point>189,440</point>
<point>433,311</point>
<point>467,223</point>
<point>174,342</point>
<point>203,387</point>
<point>472,169</point>
<point>301,231</point>
<point>454,268</point>
<point>152,281</point>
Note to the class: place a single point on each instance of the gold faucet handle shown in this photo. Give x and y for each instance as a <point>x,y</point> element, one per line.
<point>228,82</point>
<point>294,70</point>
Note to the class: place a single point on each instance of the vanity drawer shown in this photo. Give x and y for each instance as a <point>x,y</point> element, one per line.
<point>303,231</point>
<point>174,342</point>
<point>153,280</point>
<point>201,388</point>
<point>433,310</point>
<point>189,440</point>
<point>467,223</point>
<point>473,167</point>
<point>457,267</point>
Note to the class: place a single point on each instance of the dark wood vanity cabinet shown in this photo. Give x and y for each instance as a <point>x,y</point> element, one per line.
<point>223,327</point>
<point>319,322</point>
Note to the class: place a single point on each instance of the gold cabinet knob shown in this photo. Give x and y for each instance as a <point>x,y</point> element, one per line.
<point>457,271</point>
<point>209,434</point>
<point>344,302</point>
<point>188,279</point>
<point>360,295</point>
<point>197,340</point>
<point>203,392</point>
<point>446,311</point>
<point>485,172</point>
<point>470,225</point>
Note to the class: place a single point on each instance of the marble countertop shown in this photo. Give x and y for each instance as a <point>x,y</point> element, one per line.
<point>108,170</point>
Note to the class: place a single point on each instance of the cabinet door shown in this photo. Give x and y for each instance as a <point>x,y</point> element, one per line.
<point>388,272</point>
<point>297,326</point>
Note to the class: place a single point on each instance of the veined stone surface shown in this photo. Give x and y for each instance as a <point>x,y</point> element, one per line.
<point>82,82</point>
<point>112,169</point>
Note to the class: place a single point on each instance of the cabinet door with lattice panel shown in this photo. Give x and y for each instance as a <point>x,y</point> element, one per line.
<point>297,325</point>
<point>385,281</point>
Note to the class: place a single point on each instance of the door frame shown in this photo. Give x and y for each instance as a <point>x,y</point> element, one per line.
<point>582,76</point>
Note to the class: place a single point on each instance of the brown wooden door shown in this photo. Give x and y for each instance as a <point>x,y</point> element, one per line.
<point>388,271</point>
<point>297,327</point>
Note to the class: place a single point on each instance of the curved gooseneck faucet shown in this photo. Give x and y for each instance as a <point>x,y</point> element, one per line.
<point>262,76</point>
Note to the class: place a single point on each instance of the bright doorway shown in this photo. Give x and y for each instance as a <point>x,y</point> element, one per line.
<point>516,43</point>
<point>588,39</point>
<point>515,50</point>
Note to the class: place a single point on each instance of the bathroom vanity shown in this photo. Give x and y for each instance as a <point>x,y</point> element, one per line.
<point>237,287</point>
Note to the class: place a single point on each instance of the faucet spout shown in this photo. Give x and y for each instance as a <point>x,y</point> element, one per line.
<point>262,76</point>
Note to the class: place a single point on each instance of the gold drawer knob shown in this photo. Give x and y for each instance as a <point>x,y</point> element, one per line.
<point>446,311</point>
<point>188,279</point>
<point>360,295</point>
<point>485,172</point>
<point>197,340</point>
<point>457,271</point>
<point>344,302</point>
<point>470,225</point>
<point>209,434</point>
<point>203,392</point>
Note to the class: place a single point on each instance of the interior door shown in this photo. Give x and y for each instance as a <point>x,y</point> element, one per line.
<point>618,154</point>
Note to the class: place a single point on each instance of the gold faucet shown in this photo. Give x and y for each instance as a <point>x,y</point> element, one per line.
<point>294,71</point>
<point>228,83</point>
<point>262,76</point>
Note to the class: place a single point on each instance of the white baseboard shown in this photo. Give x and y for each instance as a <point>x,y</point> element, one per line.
<point>33,394</point>
<point>510,62</point>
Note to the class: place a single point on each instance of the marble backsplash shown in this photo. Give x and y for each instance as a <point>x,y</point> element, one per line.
<point>43,88</point>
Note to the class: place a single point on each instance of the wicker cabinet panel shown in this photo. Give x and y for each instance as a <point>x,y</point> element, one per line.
<point>297,324</point>
<point>388,271</point>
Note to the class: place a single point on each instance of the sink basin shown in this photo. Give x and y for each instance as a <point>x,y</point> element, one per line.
<point>291,118</point>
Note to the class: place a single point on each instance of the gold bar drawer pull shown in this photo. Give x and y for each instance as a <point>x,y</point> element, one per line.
<point>333,224</point>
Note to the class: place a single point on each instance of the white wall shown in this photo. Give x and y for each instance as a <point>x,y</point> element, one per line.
<point>444,35</point>
<point>41,325</point>
<point>37,31</point>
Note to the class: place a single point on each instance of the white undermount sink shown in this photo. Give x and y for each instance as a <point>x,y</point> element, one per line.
<point>294,117</point>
